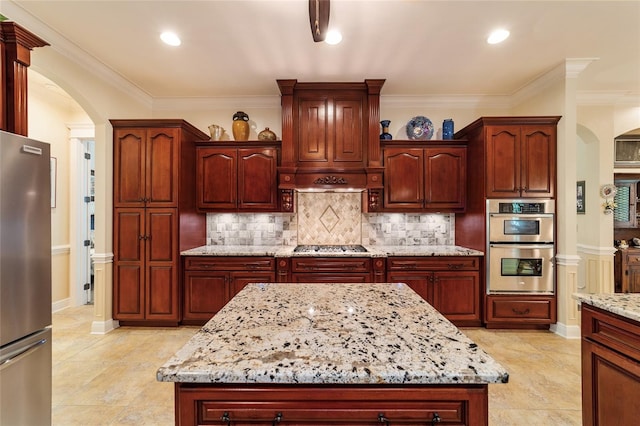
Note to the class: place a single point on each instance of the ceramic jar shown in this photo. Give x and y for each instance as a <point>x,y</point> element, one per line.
<point>447,129</point>
<point>240,126</point>
<point>267,135</point>
<point>385,135</point>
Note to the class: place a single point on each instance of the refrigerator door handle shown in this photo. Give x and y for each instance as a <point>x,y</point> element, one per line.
<point>31,149</point>
<point>21,354</point>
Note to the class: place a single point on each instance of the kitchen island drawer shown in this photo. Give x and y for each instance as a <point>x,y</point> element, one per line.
<point>228,263</point>
<point>439,263</point>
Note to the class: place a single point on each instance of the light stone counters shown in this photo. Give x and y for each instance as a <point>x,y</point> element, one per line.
<point>623,304</point>
<point>372,251</point>
<point>330,334</point>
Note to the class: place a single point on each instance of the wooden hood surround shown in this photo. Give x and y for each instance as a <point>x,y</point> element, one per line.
<point>331,139</point>
<point>16,44</point>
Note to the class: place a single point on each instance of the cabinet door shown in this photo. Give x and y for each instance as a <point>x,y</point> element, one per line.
<point>129,269</point>
<point>633,280</point>
<point>419,281</point>
<point>161,289</point>
<point>161,167</point>
<point>624,214</point>
<point>445,178</point>
<point>403,179</point>
<point>503,161</point>
<point>240,279</point>
<point>538,171</point>
<point>313,137</point>
<point>257,179</point>
<point>216,183</point>
<point>205,293</point>
<point>347,127</point>
<point>456,296</point>
<point>129,161</point>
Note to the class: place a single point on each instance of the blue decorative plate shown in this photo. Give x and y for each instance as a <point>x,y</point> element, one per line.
<point>420,128</point>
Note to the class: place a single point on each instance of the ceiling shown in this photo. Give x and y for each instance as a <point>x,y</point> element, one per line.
<point>422,48</point>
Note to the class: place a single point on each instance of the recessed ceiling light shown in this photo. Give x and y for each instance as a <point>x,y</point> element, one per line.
<point>333,37</point>
<point>498,36</point>
<point>170,38</point>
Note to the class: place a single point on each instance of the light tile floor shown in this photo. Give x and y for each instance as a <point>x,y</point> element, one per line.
<point>110,379</point>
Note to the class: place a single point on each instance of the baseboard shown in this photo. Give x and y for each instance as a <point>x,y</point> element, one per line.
<point>103,327</point>
<point>60,305</point>
<point>566,331</point>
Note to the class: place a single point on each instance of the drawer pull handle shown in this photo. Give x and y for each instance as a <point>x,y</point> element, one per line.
<point>383,419</point>
<point>518,312</point>
<point>409,266</point>
<point>436,419</point>
<point>225,418</point>
<point>455,265</point>
<point>277,419</point>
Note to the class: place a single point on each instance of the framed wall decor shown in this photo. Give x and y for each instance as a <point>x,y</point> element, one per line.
<point>580,197</point>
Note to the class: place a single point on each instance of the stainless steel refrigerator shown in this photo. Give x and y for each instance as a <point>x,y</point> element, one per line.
<point>25,281</point>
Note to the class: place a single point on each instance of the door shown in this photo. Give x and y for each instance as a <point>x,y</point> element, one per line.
<point>445,178</point>
<point>520,268</point>
<point>456,295</point>
<point>404,179</point>
<point>503,161</point>
<point>312,131</point>
<point>161,167</point>
<point>205,293</point>
<point>538,148</point>
<point>161,251</point>
<point>216,183</point>
<point>129,161</point>
<point>129,270</point>
<point>257,180</point>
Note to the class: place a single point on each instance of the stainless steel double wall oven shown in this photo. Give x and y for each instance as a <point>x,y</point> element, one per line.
<point>521,246</point>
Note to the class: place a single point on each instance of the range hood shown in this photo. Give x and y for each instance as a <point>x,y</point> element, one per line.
<point>330,139</point>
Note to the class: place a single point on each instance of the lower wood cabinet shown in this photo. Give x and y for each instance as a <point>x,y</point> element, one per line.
<point>209,282</point>
<point>145,284</point>
<point>449,284</point>
<point>354,405</point>
<point>627,270</point>
<point>610,368</point>
<point>520,311</point>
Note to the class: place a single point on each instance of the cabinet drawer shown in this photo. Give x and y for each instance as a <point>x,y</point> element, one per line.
<point>439,263</point>
<point>226,263</point>
<point>633,259</point>
<point>612,331</point>
<point>330,264</point>
<point>522,309</point>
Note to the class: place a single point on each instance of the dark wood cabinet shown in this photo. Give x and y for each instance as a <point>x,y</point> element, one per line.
<point>610,368</point>
<point>424,179</point>
<point>154,217</point>
<point>627,270</point>
<point>449,284</point>
<point>211,281</point>
<point>269,404</point>
<point>521,161</point>
<point>237,179</point>
<point>331,270</point>
<point>520,311</point>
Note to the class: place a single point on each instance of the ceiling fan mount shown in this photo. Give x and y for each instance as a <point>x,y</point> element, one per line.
<point>319,19</point>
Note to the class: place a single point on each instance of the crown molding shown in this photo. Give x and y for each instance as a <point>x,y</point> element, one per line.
<point>234,102</point>
<point>72,52</point>
<point>456,101</point>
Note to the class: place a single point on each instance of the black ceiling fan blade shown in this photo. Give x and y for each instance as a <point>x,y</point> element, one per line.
<point>319,18</point>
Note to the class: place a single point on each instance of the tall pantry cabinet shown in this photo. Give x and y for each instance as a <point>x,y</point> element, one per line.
<point>154,216</point>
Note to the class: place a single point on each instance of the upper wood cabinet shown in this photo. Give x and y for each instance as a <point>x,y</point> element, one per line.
<point>424,178</point>
<point>237,179</point>
<point>521,161</point>
<point>145,167</point>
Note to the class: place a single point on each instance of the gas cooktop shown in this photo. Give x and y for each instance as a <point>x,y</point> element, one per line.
<point>329,249</point>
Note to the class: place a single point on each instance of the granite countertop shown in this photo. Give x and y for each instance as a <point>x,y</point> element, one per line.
<point>372,251</point>
<point>330,334</point>
<point>623,304</point>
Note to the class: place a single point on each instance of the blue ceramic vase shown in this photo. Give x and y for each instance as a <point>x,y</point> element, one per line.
<point>385,135</point>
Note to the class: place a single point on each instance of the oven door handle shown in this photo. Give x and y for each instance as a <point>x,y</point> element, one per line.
<point>523,216</point>
<point>523,246</point>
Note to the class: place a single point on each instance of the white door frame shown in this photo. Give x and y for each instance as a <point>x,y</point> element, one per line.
<point>78,189</point>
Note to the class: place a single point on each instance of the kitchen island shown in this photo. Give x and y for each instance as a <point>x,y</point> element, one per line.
<point>610,358</point>
<point>330,354</point>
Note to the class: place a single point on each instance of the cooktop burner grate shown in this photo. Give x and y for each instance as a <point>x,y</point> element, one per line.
<point>329,249</point>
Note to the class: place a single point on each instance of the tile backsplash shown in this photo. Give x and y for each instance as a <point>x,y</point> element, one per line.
<point>330,218</point>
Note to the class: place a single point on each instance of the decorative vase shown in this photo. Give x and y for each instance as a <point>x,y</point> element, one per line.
<point>216,132</point>
<point>267,135</point>
<point>447,129</point>
<point>385,130</point>
<point>240,126</point>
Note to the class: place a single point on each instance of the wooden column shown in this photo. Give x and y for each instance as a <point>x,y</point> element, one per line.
<point>16,58</point>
